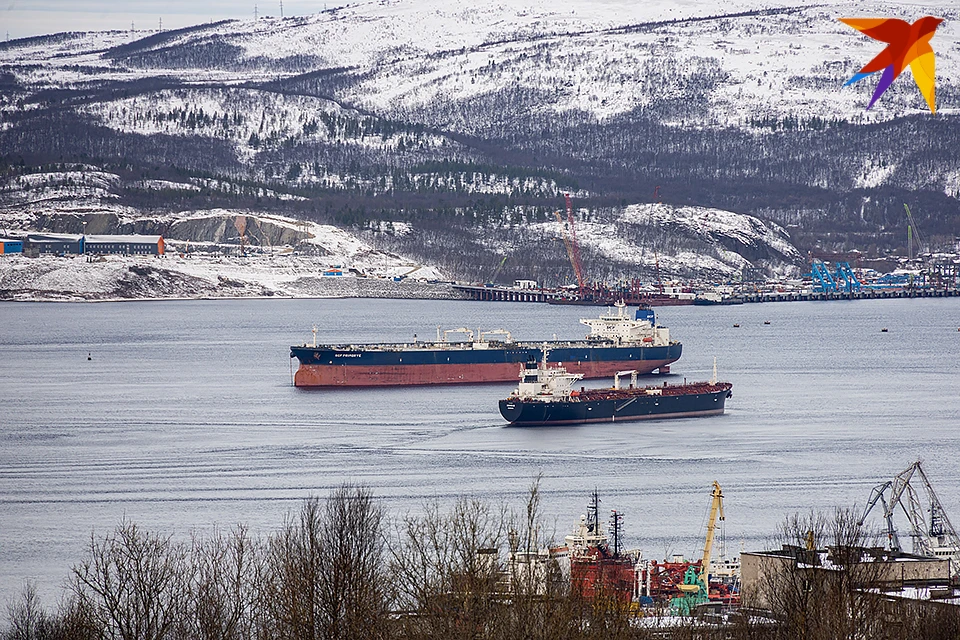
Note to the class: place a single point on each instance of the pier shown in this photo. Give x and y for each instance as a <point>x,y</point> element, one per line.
<point>862,294</point>
<point>507,294</point>
<point>511,294</point>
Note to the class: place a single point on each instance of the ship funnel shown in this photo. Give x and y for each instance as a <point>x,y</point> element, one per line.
<point>648,315</point>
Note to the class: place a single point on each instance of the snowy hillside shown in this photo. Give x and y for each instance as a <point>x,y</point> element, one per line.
<point>465,123</point>
<point>198,275</point>
<point>693,243</point>
<point>749,60</point>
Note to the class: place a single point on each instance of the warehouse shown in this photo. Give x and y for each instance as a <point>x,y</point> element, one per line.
<point>127,245</point>
<point>10,246</point>
<point>55,243</point>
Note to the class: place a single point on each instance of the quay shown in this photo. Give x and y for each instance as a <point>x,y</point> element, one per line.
<point>862,294</point>
<point>512,294</point>
<point>507,294</point>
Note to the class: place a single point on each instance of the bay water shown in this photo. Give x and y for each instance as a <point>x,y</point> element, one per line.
<point>181,416</point>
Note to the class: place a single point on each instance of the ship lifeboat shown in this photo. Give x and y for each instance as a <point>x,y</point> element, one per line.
<point>648,339</point>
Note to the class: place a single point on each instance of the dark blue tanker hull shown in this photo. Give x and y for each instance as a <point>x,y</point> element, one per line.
<point>639,407</point>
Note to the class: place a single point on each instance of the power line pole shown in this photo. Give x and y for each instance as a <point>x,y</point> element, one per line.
<point>161,24</point>
<point>281,8</point>
<point>256,16</point>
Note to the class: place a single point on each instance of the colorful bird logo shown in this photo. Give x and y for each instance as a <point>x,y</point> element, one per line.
<point>907,44</point>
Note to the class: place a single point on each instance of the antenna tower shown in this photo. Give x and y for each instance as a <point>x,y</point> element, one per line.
<point>616,524</point>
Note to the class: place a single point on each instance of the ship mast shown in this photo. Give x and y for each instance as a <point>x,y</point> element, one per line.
<point>593,513</point>
<point>616,524</point>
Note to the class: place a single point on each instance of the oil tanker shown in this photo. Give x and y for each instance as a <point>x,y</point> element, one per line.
<point>545,396</point>
<point>616,341</point>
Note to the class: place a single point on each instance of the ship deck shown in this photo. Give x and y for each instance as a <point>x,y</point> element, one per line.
<point>471,346</point>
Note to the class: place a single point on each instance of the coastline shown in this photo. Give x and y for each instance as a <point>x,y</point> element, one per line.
<point>125,278</point>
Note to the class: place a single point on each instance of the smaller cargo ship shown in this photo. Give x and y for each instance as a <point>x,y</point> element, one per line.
<point>545,396</point>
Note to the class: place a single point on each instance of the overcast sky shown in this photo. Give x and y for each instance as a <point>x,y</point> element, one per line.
<point>23,18</point>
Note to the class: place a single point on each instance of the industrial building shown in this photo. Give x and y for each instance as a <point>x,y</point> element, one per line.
<point>54,243</point>
<point>872,566</point>
<point>10,246</point>
<point>126,245</point>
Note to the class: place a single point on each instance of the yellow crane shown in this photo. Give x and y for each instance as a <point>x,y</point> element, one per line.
<point>696,586</point>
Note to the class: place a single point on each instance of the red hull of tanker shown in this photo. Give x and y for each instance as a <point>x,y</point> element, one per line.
<point>313,375</point>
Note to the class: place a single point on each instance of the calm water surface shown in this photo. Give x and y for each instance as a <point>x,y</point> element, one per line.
<point>185,418</point>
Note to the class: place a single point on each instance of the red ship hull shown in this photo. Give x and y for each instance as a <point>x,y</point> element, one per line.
<point>312,375</point>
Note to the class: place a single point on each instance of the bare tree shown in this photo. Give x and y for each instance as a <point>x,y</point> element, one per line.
<point>325,573</point>
<point>818,586</point>
<point>221,589</point>
<point>354,588</point>
<point>28,620</point>
<point>131,584</point>
<point>446,570</point>
<point>542,604</point>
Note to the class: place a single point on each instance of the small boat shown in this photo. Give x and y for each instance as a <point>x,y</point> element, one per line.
<point>545,396</point>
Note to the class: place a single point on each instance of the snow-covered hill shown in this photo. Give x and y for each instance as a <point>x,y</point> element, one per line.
<point>200,275</point>
<point>694,243</point>
<point>465,123</point>
<point>749,60</point>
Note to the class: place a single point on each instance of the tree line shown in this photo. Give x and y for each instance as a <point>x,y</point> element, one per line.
<point>339,569</point>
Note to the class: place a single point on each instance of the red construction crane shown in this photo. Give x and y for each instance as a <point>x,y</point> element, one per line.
<point>573,248</point>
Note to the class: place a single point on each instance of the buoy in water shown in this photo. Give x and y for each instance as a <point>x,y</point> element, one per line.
<point>88,357</point>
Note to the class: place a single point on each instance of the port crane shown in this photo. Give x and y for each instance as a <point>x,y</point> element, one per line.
<point>912,230</point>
<point>569,235</point>
<point>696,585</point>
<point>935,536</point>
<point>843,279</point>
<point>493,277</point>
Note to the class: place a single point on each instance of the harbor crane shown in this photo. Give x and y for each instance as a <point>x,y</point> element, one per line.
<point>912,230</point>
<point>843,279</point>
<point>569,235</point>
<point>935,536</point>
<point>696,586</point>
<point>877,495</point>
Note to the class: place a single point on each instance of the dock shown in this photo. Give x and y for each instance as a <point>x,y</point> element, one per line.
<point>511,294</point>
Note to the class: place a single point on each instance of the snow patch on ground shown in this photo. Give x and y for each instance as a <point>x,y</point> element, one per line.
<point>637,237</point>
<point>709,223</point>
<point>201,276</point>
<point>873,176</point>
<point>201,269</point>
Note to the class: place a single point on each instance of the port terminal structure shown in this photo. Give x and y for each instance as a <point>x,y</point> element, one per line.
<point>843,279</point>
<point>508,294</point>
